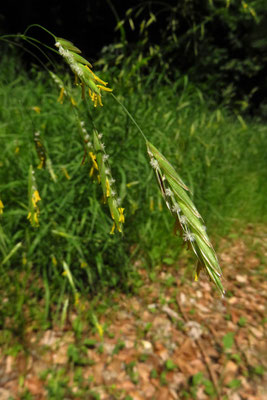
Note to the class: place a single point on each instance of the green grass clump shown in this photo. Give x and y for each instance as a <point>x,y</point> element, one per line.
<point>219,156</point>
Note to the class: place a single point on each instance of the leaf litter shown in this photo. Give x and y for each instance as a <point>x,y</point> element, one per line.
<point>168,341</point>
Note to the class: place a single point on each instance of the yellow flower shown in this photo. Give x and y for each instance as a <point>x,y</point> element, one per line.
<point>95,86</point>
<point>121,218</point>
<point>96,78</point>
<point>95,165</point>
<point>34,213</point>
<point>118,222</point>
<point>33,218</point>
<point>113,229</point>
<point>106,89</point>
<point>65,172</point>
<point>96,98</point>
<point>61,95</point>
<point>54,260</point>
<point>107,187</point>
<point>99,329</point>
<point>93,157</point>
<point>35,198</point>
<point>91,172</point>
<point>41,163</point>
<point>1,207</point>
<point>36,109</point>
<point>83,264</point>
<point>199,267</point>
<point>73,102</point>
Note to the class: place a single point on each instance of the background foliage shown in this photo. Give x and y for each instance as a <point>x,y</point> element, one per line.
<point>194,108</point>
<point>72,296</point>
<point>221,157</point>
<point>220,44</point>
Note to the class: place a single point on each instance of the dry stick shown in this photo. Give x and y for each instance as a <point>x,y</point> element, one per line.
<point>202,351</point>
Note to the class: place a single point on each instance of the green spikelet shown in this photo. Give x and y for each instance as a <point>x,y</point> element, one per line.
<point>106,182</point>
<point>68,45</point>
<point>188,219</point>
<point>81,69</point>
<point>80,59</point>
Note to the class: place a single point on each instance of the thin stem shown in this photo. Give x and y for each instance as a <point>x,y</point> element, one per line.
<point>40,26</point>
<point>25,49</point>
<point>130,116</point>
<point>29,38</point>
<point>31,41</point>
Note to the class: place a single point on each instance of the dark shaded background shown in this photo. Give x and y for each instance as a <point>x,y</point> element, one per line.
<point>90,24</point>
<point>233,51</point>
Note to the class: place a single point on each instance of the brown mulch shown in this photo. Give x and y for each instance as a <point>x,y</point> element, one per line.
<point>156,341</point>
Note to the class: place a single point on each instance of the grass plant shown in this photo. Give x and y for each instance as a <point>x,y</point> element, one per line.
<point>220,156</point>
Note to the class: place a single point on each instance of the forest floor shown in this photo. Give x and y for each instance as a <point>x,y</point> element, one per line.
<point>173,339</point>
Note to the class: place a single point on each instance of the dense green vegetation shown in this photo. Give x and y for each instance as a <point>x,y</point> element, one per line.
<point>219,155</point>
<point>58,247</point>
<point>220,44</point>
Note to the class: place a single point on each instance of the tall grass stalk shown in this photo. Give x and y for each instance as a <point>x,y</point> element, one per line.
<point>219,153</point>
<point>181,205</point>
